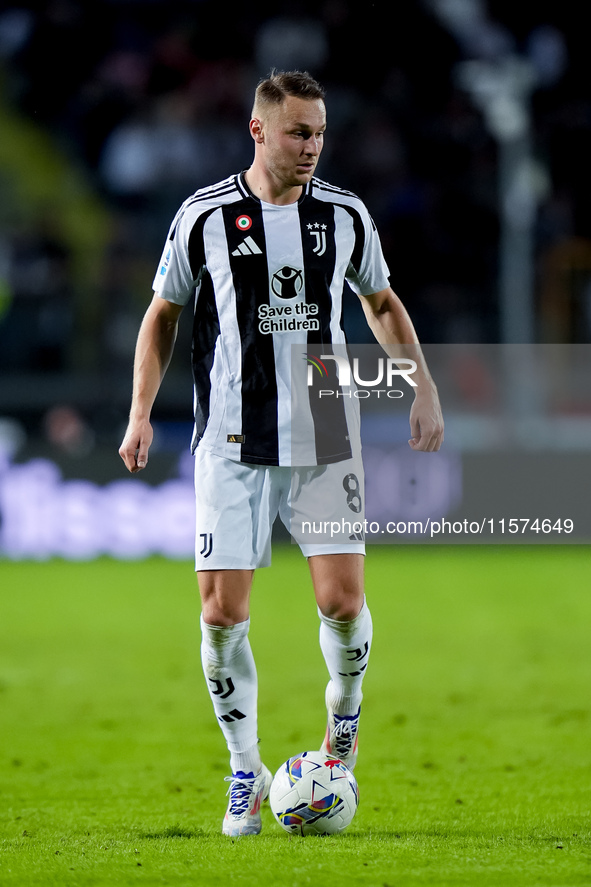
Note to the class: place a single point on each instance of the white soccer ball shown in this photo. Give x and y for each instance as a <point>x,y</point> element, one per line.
<point>314,794</point>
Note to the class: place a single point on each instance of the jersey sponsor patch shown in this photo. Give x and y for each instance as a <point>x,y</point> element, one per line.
<point>287,282</point>
<point>287,318</point>
<point>165,264</point>
<point>236,438</point>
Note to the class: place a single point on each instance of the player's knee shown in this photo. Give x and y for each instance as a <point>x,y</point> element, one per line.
<point>343,608</point>
<point>224,596</point>
<point>223,613</point>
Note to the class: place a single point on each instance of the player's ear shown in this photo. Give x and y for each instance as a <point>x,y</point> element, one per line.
<point>256,130</point>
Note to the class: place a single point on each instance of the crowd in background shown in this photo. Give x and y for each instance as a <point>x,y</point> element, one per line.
<point>139,104</point>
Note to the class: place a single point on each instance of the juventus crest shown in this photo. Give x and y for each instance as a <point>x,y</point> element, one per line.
<point>207,547</point>
<point>318,231</point>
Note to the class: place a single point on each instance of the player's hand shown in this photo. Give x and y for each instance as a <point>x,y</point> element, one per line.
<point>135,446</point>
<point>426,421</point>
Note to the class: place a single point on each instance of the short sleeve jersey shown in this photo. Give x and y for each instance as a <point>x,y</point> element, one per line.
<point>266,278</point>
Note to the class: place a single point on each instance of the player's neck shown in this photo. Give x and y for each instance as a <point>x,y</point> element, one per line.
<point>267,189</point>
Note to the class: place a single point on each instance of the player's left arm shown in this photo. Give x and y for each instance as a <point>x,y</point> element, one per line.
<point>390,323</point>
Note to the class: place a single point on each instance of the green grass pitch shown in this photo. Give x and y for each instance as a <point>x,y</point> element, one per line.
<point>475,749</point>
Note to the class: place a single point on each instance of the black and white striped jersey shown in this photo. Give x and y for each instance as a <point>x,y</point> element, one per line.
<point>266,278</point>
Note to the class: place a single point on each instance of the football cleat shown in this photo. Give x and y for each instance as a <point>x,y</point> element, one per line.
<point>341,736</point>
<point>247,793</point>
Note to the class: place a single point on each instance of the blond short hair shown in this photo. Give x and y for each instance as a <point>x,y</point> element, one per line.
<point>273,90</point>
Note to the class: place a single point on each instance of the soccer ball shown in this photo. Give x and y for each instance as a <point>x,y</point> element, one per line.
<point>314,794</point>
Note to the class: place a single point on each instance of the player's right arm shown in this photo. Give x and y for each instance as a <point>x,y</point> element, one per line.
<point>153,351</point>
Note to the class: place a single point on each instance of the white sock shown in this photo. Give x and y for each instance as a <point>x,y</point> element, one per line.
<point>345,647</point>
<point>230,674</point>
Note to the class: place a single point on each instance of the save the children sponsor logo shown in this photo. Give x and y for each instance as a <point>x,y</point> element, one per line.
<point>287,282</point>
<point>288,318</point>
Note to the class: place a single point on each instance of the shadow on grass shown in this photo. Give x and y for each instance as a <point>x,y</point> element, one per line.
<point>173,831</point>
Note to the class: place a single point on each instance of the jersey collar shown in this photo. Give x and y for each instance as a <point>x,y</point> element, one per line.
<point>242,185</point>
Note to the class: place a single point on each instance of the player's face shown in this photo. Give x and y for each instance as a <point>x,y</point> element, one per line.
<point>293,139</point>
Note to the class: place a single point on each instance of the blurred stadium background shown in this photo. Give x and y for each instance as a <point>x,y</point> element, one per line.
<point>464,125</point>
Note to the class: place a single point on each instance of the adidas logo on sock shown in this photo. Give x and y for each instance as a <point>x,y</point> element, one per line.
<point>248,247</point>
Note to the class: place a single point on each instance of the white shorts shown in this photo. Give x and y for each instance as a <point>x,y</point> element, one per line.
<point>237,503</point>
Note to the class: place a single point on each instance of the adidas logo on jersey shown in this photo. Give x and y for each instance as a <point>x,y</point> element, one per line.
<point>248,247</point>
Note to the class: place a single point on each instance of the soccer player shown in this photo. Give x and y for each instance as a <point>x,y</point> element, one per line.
<point>271,237</point>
